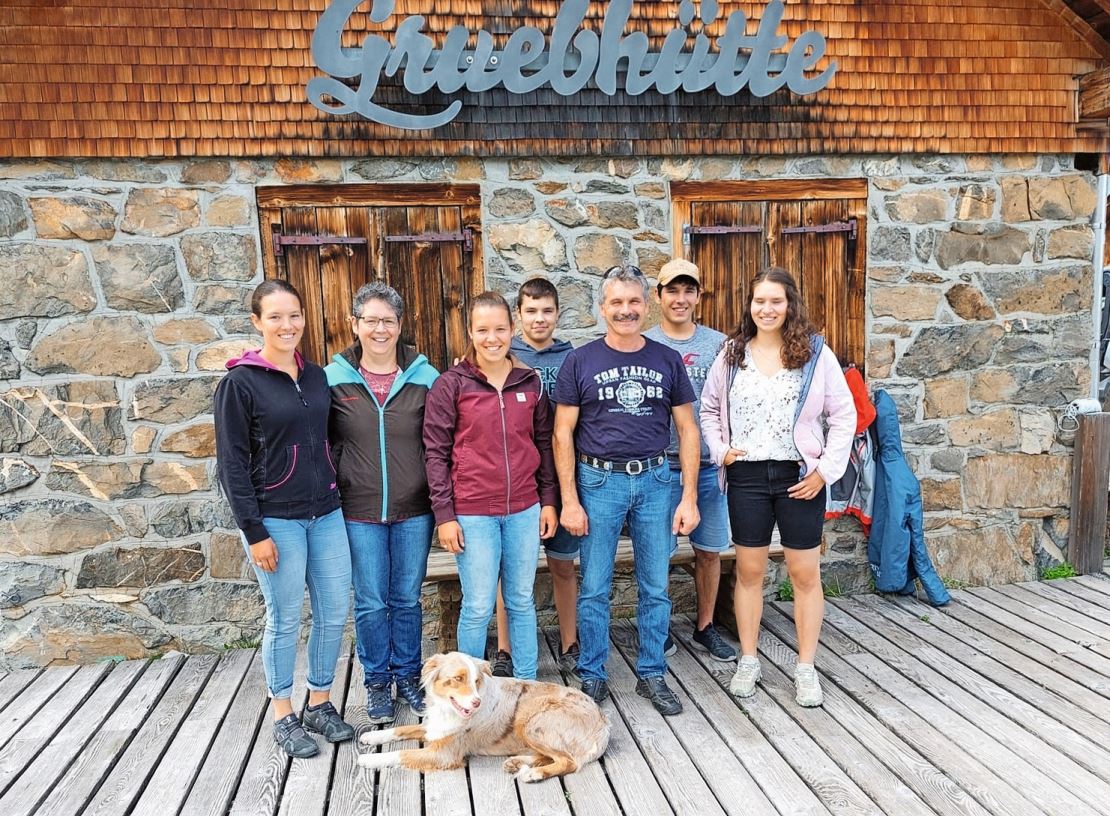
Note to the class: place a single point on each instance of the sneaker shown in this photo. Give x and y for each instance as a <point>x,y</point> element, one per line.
<point>807,686</point>
<point>596,689</point>
<point>379,703</point>
<point>568,660</point>
<point>711,641</point>
<point>502,664</point>
<point>325,720</point>
<point>748,673</point>
<point>660,694</point>
<point>669,646</point>
<point>293,739</point>
<point>408,689</point>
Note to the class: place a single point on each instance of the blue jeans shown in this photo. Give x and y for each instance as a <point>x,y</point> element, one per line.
<point>505,547</point>
<point>713,533</point>
<point>312,552</point>
<point>609,497</point>
<point>389,562</point>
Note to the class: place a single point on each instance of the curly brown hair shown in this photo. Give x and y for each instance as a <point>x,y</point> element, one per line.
<point>797,331</point>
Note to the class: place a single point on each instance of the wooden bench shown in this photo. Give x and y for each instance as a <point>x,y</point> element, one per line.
<point>443,571</point>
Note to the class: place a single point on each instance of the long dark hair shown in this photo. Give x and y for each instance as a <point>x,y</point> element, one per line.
<point>797,331</point>
<point>487,298</point>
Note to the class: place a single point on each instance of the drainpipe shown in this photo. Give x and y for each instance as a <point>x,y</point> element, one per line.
<point>1103,188</point>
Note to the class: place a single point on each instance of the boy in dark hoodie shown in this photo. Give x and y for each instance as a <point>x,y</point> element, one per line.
<point>537,306</point>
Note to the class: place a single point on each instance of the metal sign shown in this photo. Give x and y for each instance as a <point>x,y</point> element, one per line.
<point>572,58</point>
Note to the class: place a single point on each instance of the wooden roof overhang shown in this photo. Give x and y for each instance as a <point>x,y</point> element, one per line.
<point>166,78</point>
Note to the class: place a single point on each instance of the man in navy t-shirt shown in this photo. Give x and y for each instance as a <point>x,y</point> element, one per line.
<point>615,401</point>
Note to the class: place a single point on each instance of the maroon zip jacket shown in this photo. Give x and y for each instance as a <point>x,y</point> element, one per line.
<point>488,454</point>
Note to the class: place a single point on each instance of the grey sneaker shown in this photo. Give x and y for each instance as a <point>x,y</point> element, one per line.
<point>660,694</point>
<point>502,664</point>
<point>408,689</point>
<point>379,703</point>
<point>669,646</point>
<point>325,720</point>
<point>293,739</point>
<point>568,660</point>
<point>596,689</point>
<point>807,686</point>
<point>711,641</point>
<point>748,673</point>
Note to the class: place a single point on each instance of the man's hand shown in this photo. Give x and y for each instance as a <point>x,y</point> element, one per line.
<point>574,519</point>
<point>549,521</point>
<point>451,537</point>
<point>264,554</point>
<point>808,487</point>
<point>686,517</point>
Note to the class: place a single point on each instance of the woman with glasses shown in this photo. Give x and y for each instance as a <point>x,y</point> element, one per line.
<point>378,387</point>
<point>487,431</point>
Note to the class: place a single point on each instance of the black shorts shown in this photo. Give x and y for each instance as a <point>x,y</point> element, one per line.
<point>757,499</point>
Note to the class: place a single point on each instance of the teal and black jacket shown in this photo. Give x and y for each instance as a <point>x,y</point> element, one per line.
<point>379,448</point>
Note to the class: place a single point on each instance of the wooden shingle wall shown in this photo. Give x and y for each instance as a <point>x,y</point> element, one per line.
<point>148,78</point>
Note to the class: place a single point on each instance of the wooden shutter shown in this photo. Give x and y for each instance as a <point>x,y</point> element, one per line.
<point>381,226</point>
<point>823,247</point>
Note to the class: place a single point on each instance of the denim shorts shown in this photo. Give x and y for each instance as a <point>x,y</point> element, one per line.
<point>712,532</point>
<point>562,546</point>
<point>757,500</point>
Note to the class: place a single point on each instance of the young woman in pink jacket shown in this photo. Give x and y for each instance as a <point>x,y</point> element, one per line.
<point>770,394</point>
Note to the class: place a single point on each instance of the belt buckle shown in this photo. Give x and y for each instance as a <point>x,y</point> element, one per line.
<point>639,467</point>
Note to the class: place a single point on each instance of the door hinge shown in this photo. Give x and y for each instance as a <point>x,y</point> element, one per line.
<point>689,230</point>
<point>465,237</point>
<point>850,226</point>
<point>281,241</point>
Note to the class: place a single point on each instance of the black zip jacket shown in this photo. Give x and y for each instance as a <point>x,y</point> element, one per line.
<point>272,451</point>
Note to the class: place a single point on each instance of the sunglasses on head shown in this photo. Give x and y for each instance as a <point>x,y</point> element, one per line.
<point>619,271</point>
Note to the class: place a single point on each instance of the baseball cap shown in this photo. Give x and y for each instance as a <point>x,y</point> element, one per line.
<point>678,268</point>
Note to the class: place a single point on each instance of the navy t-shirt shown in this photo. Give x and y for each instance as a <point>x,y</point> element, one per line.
<point>624,398</point>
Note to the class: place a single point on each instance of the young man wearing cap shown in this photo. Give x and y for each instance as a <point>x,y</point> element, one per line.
<point>678,291</point>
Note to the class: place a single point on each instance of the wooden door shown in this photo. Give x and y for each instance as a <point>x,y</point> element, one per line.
<point>423,240</point>
<point>816,231</point>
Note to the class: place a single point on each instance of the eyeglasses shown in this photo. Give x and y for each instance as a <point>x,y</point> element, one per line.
<point>387,323</point>
<point>620,271</point>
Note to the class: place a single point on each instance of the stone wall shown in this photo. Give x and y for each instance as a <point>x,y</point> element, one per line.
<point>123,289</point>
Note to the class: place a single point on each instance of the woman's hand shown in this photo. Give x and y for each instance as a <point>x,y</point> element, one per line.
<point>264,555</point>
<point>731,455</point>
<point>808,487</point>
<point>451,537</point>
<point>549,521</point>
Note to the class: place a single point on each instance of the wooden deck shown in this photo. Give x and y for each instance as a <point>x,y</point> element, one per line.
<point>999,704</point>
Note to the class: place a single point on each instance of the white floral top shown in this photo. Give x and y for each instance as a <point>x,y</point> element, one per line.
<point>761,412</point>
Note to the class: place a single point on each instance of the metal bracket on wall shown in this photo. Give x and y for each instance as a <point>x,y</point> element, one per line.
<point>281,241</point>
<point>689,230</point>
<point>465,237</point>
<point>850,226</point>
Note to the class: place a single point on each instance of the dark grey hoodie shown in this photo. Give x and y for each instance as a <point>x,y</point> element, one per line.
<point>546,361</point>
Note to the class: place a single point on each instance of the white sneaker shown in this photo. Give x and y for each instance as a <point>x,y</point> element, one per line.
<point>807,686</point>
<point>748,673</point>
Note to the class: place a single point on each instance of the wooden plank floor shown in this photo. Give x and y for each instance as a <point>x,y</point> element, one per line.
<point>998,704</point>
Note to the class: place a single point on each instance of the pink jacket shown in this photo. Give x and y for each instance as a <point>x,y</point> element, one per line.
<point>824,393</point>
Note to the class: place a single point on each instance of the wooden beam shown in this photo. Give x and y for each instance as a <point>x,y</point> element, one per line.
<point>1089,483</point>
<point>1094,94</point>
<point>1083,28</point>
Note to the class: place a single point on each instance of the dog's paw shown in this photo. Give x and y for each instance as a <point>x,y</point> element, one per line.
<point>373,760</point>
<point>529,774</point>
<point>376,737</point>
<point>514,764</point>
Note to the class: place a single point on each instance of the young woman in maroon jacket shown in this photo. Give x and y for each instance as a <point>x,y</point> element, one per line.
<point>487,435</point>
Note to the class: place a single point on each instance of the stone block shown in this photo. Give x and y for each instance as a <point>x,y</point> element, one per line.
<point>1038,430</point>
<point>142,439</point>
<point>886,274</point>
<point>16,472</point>
<point>569,212</point>
<point>651,189</point>
<point>178,519</point>
<point>596,252</point>
<point>134,519</point>
<point>228,211</point>
<point>624,167</point>
<point>968,302</point>
<point>206,171</point>
<point>948,460</point>
<point>945,397</point>
<point>220,256</point>
<point>215,356</point>
<point>529,248</point>
<point>222,299</point>
<point>1050,384</point>
<point>924,433</point>
<point>113,170</point>
<point>941,494</point>
<point>379,169</point>
<point>940,349</point>
<point>37,169</point>
<point>80,217</point>
<point>174,478</point>
<point>139,277</point>
<point>918,207</point>
<point>525,169</point>
<point>308,171</point>
<point>9,365</point>
<point>614,215</point>
<point>1018,480</point>
<point>226,557</point>
<point>650,260</point>
<point>1062,198</point>
<point>160,211</point>
<point>905,302</point>
<point>889,244</point>
<point>111,346</point>
<point>24,582</point>
<point>1015,200</point>
<point>185,330</point>
<point>43,281</point>
<point>63,419</point>
<point>880,358</point>
<point>38,527</point>
<point>172,399</point>
<point>975,202</point>
<point>676,169</point>
<point>211,602</point>
<point>1023,347</point>
<point>13,217</point>
<point>80,632</point>
<point>981,243</point>
<point>550,187</point>
<point>763,166</point>
<point>981,555</point>
<point>141,566</point>
<point>601,186</point>
<point>576,304</point>
<point>197,441</point>
<point>996,430</point>
<point>1036,290</point>
<point>1071,242</point>
<point>511,202</point>
<point>97,479</point>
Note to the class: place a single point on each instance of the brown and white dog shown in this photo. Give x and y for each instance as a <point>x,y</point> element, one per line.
<point>545,729</point>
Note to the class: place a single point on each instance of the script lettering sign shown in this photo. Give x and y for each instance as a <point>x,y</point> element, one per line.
<point>573,57</point>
